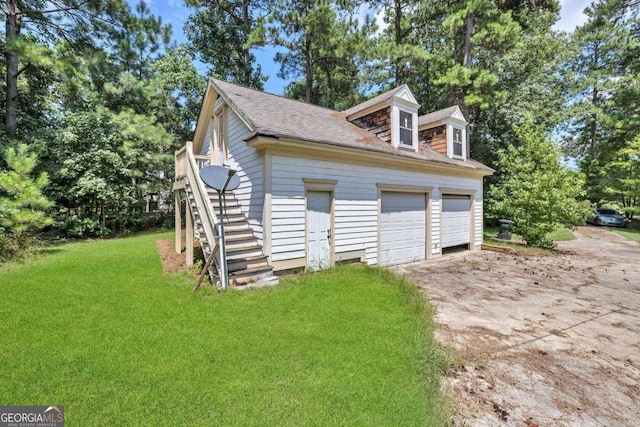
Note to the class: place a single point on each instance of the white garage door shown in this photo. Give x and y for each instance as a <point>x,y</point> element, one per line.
<point>456,220</point>
<point>402,227</point>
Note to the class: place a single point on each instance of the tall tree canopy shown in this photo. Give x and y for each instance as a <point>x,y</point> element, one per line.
<point>101,94</point>
<point>101,98</point>
<point>604,78</point>
<point>31,29</point>
<point>222,32</point>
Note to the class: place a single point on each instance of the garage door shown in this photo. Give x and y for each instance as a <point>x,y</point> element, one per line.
<point>402,227</point>
<point>456,220</point>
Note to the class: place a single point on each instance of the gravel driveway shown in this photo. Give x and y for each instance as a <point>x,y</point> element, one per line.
<point>541,341</point>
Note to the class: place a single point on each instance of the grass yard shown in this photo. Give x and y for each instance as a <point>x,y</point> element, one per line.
<point>97,327</point>
<point>631,233</point>
<point>560,234</point>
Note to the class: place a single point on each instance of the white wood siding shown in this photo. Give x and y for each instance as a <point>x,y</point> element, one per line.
<point>206,145</point>
<point>478,220</point>
<point>249,166</point>
<point>356,203</point>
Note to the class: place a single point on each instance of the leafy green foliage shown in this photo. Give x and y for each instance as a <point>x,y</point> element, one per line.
<point>176,75</point>
<point>486,28</point>
<point>23,207</point>
<point>223,32</point>
<point>336,59</point>
<point>535,189</point>
<point>106,104</point>
<point>323,50</point>
<point>102,165</point>
<point>140,39</point>
<point>621,179</point>
<point>605,91</point>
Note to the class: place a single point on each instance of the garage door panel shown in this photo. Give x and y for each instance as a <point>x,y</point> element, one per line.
<point>402,227</point>
<point>450,204</point>
<point>456,220</point>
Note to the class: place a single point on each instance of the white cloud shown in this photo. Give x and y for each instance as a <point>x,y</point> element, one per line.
<point>571,15</point>
<point>365,11</point>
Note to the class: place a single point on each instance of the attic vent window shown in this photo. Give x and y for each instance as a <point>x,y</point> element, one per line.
<point>457,142</point>
<point>406,129</point>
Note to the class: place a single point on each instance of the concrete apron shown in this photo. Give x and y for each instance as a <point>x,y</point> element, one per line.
<point>549,340</point>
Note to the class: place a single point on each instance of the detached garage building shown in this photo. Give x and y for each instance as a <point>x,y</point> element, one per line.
<point>376,182</point>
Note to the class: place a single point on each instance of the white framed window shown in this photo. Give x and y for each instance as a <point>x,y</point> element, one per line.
<point>406,129</point>
<point>220,142</point>
<point>458,142</point>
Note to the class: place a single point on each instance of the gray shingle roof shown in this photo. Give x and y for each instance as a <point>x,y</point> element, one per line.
<point>279,117</point>
<point>436,116</point>
<point>373,101</point>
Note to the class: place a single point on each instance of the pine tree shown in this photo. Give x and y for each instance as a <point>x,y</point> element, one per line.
<point>22,204</point>
<point>223,32</point>
<point>324,50</point>
<point>604,77</point>
<point>32,26</point>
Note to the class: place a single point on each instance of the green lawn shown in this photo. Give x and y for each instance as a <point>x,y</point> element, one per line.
<point>631,233</point>
<point>98,328</point>
<point>560,234</point>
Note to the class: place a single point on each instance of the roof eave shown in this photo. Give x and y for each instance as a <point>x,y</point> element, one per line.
<point>268,141</point>
<point>241,114</point>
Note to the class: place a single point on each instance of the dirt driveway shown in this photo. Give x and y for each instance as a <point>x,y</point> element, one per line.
<point>546,341</point>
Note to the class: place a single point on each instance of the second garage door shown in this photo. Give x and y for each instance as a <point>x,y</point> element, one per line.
<point>456,220</point>
<point>402,227</point>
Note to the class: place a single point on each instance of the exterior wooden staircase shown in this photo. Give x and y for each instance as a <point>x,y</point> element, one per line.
<point>247,264</point>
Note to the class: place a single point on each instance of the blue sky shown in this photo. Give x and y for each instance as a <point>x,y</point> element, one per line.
<point>175,13</point>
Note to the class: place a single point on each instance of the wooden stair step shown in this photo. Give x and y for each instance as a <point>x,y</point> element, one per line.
<point>245,263</point>
<point>244,253</point>
<point>242,245</point>
<point>257,276</point>
<point>238,226</point>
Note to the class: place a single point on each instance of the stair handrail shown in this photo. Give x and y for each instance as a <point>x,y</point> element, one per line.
<point>208,216</point>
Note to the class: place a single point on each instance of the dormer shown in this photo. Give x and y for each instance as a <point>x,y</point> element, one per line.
<point>445,131</point>
<point>391,116</point>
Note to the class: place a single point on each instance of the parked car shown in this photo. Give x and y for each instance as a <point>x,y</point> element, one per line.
<point>609,217</point>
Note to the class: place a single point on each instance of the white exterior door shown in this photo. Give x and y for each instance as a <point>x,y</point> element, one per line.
<point>318,230</point>
<point>403,228</point>
<point>456,220</point>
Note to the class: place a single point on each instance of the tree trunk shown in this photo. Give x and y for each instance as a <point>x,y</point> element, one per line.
<point>308,69</point>
<point>308,66</point>
<point>397,29</point>
<point>246,20</point>
<point>595,100</point>
<point>12,15</point>
<point>466,60</point>
<point>466,63</point>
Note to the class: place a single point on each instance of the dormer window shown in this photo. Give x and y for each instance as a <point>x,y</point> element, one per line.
<point>406,129</point>
<point>456,141</point>
<point>392,117</point>
<point>447,130</point>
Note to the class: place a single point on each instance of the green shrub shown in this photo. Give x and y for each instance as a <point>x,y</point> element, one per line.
<point>535,189</point>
